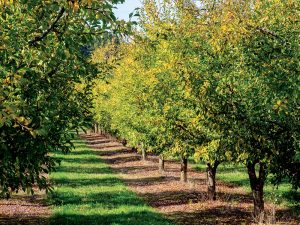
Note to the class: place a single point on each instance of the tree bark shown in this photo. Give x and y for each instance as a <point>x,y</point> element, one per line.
<point>161,164</point>
<point>183,169</point>
<point>124,142</point>
<point>144,155</point>
<point>257,188</point>
<point>211,180</point>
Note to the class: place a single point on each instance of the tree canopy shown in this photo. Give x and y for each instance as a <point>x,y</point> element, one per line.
<point>218,81</point>
<point>45,79</point>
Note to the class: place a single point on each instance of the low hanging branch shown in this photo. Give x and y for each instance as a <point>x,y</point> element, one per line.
<point>50,28</point>
<point>186,130</point>
<point>268,32</point>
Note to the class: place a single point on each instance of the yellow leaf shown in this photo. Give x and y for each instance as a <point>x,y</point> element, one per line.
<point>33,133</point>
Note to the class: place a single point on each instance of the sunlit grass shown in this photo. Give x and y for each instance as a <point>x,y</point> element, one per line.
<point>88,192</point>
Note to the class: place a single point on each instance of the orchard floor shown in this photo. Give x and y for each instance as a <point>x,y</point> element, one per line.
<point>25,210</point>
<point>183,203</point>
<point>86,200</point>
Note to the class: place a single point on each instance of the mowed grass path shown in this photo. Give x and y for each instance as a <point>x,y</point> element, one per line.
<point>88,192</point>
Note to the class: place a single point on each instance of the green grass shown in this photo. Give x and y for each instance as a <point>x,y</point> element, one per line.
<point>88,192</point>
<point>237,174</point>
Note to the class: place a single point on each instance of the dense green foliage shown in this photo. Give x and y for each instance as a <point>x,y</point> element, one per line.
<point>88,192</point>
<point>219,81</point>
<point>45,80</point>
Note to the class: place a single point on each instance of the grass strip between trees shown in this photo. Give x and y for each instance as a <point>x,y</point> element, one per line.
<point>88,192</point>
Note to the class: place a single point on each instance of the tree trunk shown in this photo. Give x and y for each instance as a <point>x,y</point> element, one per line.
<point>144,155</point>
<point>183,170</point>
<point>257,188</point>
<point>97,128</point>
<point>211,180</point>
<point>124,142</point>
<point>161,164</point>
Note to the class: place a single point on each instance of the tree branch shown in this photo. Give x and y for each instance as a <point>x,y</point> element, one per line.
<point>268,32</point>
<point>50,28</point>
<point>186,130</point>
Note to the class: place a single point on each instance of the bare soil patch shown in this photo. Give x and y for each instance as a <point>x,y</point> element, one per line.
<point>22,209</point>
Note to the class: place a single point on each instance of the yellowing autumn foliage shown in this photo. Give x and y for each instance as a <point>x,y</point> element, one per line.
<point>217,81</point>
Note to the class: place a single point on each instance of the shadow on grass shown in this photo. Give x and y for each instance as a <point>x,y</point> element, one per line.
<point>237,182</point>
<point>93,195</point>
<point>89,170</point>
<point>83,152</point>
<point>130,218</point>
<point>90,160</point>
<point>232,168</point>
<point>294,198</point>
<point>66,182</point>
<point>108,199</point>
